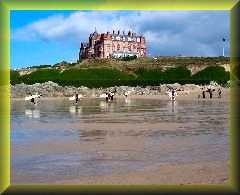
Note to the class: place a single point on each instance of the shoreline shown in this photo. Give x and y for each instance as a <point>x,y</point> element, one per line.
<point>193,96</point>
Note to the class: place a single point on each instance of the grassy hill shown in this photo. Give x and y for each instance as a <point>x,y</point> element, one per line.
<point>141,71</point>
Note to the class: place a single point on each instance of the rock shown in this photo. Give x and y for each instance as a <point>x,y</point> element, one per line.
<point>51,89</point>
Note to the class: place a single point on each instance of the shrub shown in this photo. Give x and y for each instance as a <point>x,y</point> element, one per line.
<point>212,73</point>
<point>107,77</point>
<point>129,58</point>
<point>40,76</point>
<point>14,77</point>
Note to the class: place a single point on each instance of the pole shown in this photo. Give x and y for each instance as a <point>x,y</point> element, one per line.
<point>223,39</point>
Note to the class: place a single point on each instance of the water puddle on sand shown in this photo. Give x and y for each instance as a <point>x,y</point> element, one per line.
<point>58,140</point>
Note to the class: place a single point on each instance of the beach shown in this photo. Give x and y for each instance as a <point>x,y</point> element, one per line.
<point>145,139</point>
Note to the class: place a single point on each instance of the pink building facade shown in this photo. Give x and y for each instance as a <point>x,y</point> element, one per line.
<point>113,45</point>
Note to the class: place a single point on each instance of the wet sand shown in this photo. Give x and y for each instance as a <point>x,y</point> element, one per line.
<point>190,173</point>
<point>194,172</point>
<point>128,144</point>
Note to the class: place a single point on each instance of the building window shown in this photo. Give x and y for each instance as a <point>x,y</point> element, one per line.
<point>118,47</point>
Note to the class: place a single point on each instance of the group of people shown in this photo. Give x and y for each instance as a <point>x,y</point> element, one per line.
<point>210,91</point>
<point>172,93</point>
<point>109,96</point>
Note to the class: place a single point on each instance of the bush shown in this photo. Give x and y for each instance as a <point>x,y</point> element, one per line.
<point>129,58</point>
<point>157,76</point>
<point>94,74</point>
<point>41,76</point>
<point>212,73</point>
<point>41,66</point>
<point>14,77</point>
<point>107,77</point>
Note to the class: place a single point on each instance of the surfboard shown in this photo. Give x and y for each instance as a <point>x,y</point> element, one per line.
<point>103,95</point>
<point>74,97</point>
<point>31,96</point>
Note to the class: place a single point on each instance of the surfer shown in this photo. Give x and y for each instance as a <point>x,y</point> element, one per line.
<point>203,94</point>
<point>210,93</point>
<point>107,97</point>
<point>32,98</point>
<point>76,98</point>
<point>219,93</point>
<point>173,94</point>
<point>111,96</point>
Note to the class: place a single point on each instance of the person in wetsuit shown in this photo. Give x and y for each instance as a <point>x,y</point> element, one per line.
<point>173,94</point>
<point>203,94</point>
<point>107,96</point>
<point>33,100</point>
<point>76,98</point>
<point>219,93</point>
<point>111,95</point>
<point>210,93</point>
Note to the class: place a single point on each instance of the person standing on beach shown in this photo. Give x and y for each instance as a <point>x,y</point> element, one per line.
<point>219,93</point>
<point>210,93</point>
<point>174,93</point>
<point>107,96</point>
<point>76,98</point>
<point>203,94</point>
<point>111,96</point>
<point>33,100</point>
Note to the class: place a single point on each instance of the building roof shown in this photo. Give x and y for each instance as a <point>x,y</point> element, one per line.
<point>85,44</point>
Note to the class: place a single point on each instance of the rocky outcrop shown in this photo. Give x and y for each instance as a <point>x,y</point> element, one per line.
<point>51,89</point>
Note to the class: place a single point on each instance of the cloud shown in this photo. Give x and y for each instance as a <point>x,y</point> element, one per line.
<point>196,33</point>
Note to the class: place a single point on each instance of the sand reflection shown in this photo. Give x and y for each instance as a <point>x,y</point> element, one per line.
<point>35,113</point>
<point>75,110</point>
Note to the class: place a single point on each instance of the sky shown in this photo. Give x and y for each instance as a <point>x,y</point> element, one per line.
<point>48,37</point>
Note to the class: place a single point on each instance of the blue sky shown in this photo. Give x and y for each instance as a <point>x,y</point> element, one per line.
<point>48,37</point>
